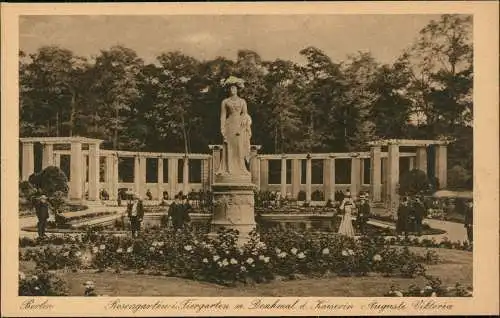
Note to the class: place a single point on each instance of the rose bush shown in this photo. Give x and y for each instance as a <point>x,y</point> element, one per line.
<point>41,284</point>
<point>222,260</point>
<point>433,288</point>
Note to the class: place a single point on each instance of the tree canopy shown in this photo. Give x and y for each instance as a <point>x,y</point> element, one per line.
<point>321,105</point>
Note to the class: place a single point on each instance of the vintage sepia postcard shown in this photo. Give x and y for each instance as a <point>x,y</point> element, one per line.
<point>250,159</point>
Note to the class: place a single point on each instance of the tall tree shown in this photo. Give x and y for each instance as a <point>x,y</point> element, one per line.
<point>441,68</point>
<point>175,99</point>
<point>115,75</point>
<point>48,87</point>
<point>391,108</point>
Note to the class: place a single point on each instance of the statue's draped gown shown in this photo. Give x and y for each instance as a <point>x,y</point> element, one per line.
<point>237,147</point>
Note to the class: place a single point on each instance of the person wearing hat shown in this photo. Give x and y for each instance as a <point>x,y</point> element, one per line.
<point>403,214</point>
<point>89,288</point>
<point>174,212</point>
<point>186,209</point>
<point>135,211</point>
<point>346,207</point>
<point>42,213</point>
<point>418,211</point>
<point>363,214</point>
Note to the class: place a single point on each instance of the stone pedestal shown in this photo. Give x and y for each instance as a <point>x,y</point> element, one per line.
<point>233,209</point>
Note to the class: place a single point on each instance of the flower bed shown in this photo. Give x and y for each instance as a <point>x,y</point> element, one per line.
<point>194,256</point>
<point>41,284</point>
<point>433,288</point>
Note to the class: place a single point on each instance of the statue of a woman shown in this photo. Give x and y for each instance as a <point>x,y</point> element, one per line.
<point>236,132</point>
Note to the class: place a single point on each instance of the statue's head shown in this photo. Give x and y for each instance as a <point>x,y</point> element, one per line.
<point>233,90</point>
<point>232,84</point>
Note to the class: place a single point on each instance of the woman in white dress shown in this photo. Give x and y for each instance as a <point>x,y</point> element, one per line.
<point>347,206</point>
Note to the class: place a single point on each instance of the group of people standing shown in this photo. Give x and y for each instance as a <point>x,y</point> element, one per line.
<point>347,208</point>
<point>178,213</point>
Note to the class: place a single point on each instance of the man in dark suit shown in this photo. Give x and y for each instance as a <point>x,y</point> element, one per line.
<point>418,214</point>
<point>403,214</point>
<point>186,209</point>
<point>42,213</point>
<point>469,221</point>
<point>135,211</point>
<point>363,214</point>
<point>176,212</point>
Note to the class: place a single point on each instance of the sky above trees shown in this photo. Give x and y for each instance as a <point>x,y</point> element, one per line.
<point>206,37</point>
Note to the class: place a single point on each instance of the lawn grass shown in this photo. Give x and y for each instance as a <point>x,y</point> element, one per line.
<point>454,266</point>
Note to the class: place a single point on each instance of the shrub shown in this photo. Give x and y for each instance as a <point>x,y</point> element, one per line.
<point>458,177</point>
<point>413,182</point>
<point>191,255</point>
<point>41,284</point>
<point>317,195</point>
<point>52,180</point>
<point>26,190</point>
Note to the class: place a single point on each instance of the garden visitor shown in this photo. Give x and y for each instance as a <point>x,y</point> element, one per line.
<point>42,213</point>
<point>149,195</point>
<point>403,214</point>
<point>89,289</point>
<point>135,211</point>
<point>346,207</point>
<point>186,209</point>
<point>104,195</point>
<point>469,221</point>
<point>363,214</point>
<point>418,211</point>
<point>175,212</point>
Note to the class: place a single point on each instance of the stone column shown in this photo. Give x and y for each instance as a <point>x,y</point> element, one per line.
<point>205,175</point>
<point>255,166</point>
<point>411,165</point>
<point>441,165</point>
<point>85,172</point>
<point>393,177</point>
<point>94,171</point>
<point>116,177</point>
<point>216,159</point>
<point>28,160</point>
<point>376,173</point>
<point>327,178</point>
<point>172,176</point>
<point>421,158</point>
<point>159,183</point>
<point>361,172</point>
<point>185,176</point>
<point>283,176</point>
<point>57,160</point>
<point>384,177</point>
<point>137,174</point>
<point>296,177</point>
<point>142,173</point>
<point>47,155</point>
<point>355,176</point>
<point>75,184</point>
<point>308,178</point>
<point>264,173</point>
<point>109,176</point>
<point>332,179</point>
